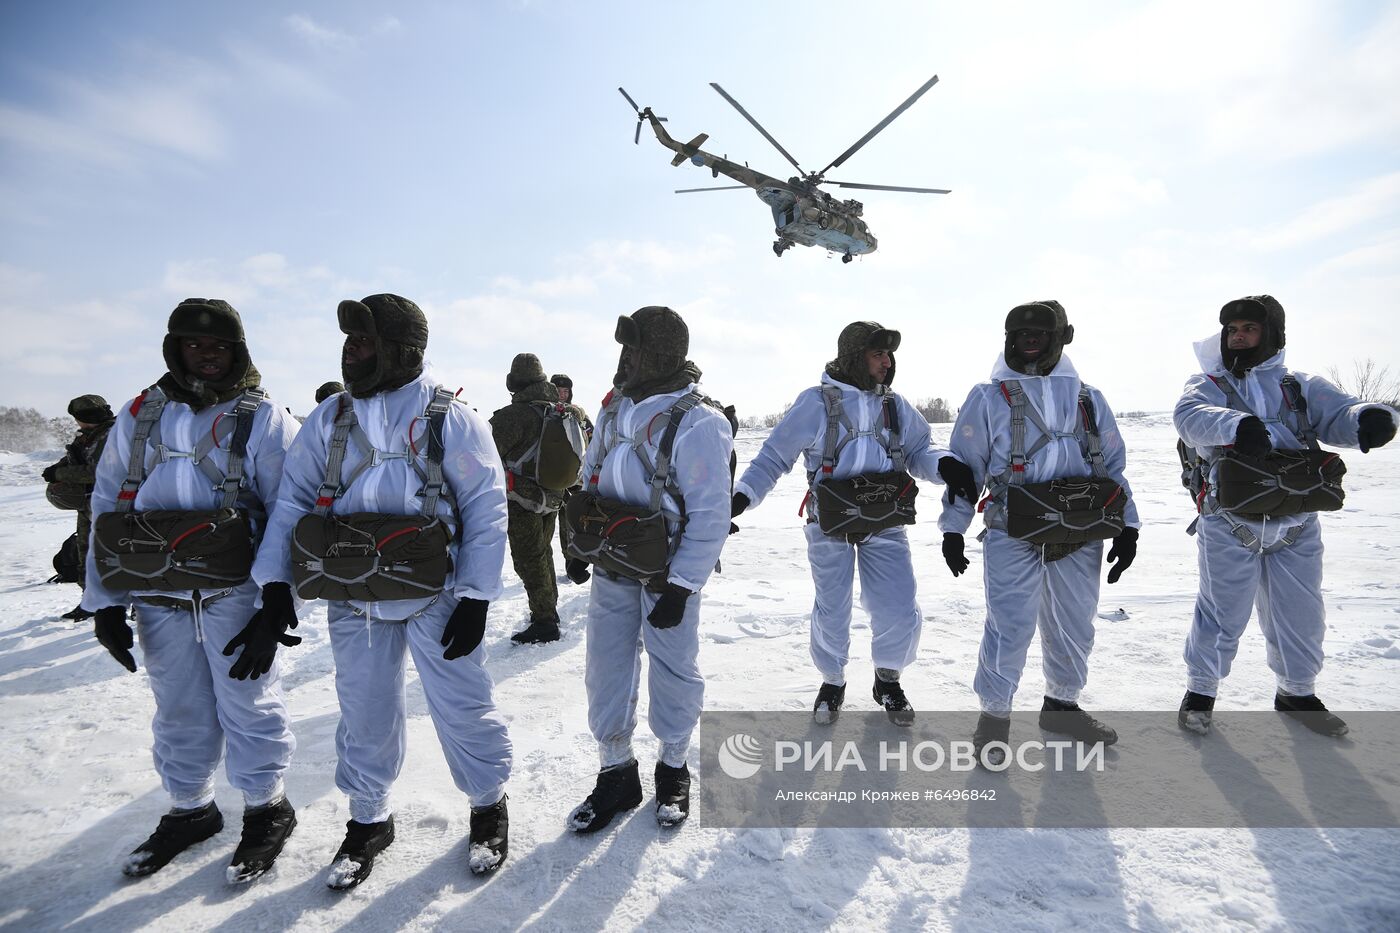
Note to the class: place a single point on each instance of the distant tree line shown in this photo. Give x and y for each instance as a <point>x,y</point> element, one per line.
<point>23,430</point>
<point>1369,382</point>
<point>934,410</point>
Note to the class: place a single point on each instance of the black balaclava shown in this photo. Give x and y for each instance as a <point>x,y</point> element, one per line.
<point>1261,309</point>
<point>90,409</point>
<point>1047,315</point>
<point>327,390</point>
<point>850,366</point>
<point>206,317</point>
<point>525,370</point>
<point>662,341</point>
<point>400,333</point>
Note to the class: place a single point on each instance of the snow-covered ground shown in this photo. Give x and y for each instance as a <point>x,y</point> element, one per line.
<point>80,791</point>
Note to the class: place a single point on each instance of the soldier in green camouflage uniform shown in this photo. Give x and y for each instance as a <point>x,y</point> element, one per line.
<point>531,510</point>
<point>576,570</point>
<point>72,478</point>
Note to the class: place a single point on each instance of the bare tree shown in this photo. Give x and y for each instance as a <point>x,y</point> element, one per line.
<point>1368,382</point>
<point>934,410</point>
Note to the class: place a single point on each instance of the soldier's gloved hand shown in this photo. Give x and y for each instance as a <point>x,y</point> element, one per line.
<point>577,570</point>
<point>1375,428</point>
<point>1252,438</point>
<point>737,505</point>
<point>670,608</point>
<point>1124,550</point>
<point>264,632</point>
<point>50,473</point>
<point>109,625</point>
<point>957,476</point>
<point>465,628</point>
<point>953,553</point>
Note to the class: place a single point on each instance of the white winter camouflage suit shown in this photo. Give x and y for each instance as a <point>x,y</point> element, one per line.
<point>369,640</point>
<point>617,630</point>
<point>200,710</point>
<point>887,588</point>
<point>1023,591</point>
<point>1283,579</point>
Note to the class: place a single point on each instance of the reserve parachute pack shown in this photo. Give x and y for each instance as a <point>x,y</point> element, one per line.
<point>868,502</point>
<point>629,540</point>
<point>67,562</point>
<point>555,459</point>
<point>1069,511</point>
<point>374,556</point>
<point>1282,482</point>
<point>174,550</point>
<point>71,497</point>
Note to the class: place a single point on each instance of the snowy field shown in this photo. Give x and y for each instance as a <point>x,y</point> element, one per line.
<point>80,791</point>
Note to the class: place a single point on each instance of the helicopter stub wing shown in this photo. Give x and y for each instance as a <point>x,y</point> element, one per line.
<point>694,144</point>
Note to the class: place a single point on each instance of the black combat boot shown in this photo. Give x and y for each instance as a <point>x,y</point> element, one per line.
<point>490,838</point>
<point>265,831</point>
<point>178,830</point>
<point>538,632</point>
<point>1068,719</point>
<point>1310,712</point>
<point>890,695</point>
<point>1194,714</point>
<point>354,860</point>
<point>991,729</point>
<point>672,794</point>
<point>828,706</point>
<point>619,788</point>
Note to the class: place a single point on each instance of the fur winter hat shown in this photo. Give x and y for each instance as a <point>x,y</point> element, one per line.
<point>662,340</point>
<point>400,332</point>
<point>1261,309</point>
<point>525,370</point>
<point>90,409</point>
<point>207,317</point>
<point>561,381</point>
<point>850,366</point>
<point>328,389</point>
<point>1046,315</point>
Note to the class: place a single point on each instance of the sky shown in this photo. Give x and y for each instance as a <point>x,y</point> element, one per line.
<point>1142,163</point>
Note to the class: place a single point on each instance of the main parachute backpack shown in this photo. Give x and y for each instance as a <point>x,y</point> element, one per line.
<point>373,556</point>
<point>555,459</point>
<point>868,502</point>
<point>1070,510</point>
<point>172,550</point>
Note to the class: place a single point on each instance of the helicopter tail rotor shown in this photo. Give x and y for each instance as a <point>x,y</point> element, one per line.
<point>641,116</point>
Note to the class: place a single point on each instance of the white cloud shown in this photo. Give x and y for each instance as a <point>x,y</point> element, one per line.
<point>318,36</point>
<point>1374,198</point>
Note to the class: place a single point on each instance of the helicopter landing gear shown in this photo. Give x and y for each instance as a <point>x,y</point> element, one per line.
<point>846,258</point>
<point>781,246</point>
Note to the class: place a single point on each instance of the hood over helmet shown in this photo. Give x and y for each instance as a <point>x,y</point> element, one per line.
<point>90,409</point>
<point>400,332</point>
<point>1261,309</point>
<point>525,370</point>
<point>850,366</point>
<point>661,341</point>
<point>1046,315</point>
<point>206,317</point>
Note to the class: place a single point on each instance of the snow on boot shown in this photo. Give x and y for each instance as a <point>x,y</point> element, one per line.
<point>538,632</point>
<point>1194,714</point>
<point>355,859</point>
<point>991,729</point>
<point>177,831</point>
<point>1068,719</point>
<point>828,706</point>
<point>618,789</point>
<point>577,571</point>
<point>76,614</point>
<point>490,838</point>
<point>265,832</point>
<point>1310,712</point>
<point>672,794</point>
<point>890,695</point>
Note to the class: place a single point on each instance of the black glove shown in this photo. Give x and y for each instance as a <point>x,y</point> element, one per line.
<point>1375,428</point>
<point>50,473</point>
<point>264,632</point>
<point>465,628</point>
<point>953,552</point>
<point>957,476</point>
<point>1252,438</point>
<point>109,625</point>
<point>670,608</point>
<point>740,502</point>
<point>1124,550</point>
<point>577,570</point>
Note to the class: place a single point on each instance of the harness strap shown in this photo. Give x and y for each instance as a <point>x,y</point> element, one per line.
<point>151,402</point>
<point>437,418</point>
<point>1292,413</point>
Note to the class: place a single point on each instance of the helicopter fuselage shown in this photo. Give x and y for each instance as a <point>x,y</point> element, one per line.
<point>802,214</point>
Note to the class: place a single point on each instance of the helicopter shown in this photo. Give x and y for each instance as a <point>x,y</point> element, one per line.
<point>802,212</point>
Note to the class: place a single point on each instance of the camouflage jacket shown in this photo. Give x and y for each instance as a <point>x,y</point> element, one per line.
<point>79,464</point>
<point>516,427</point>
